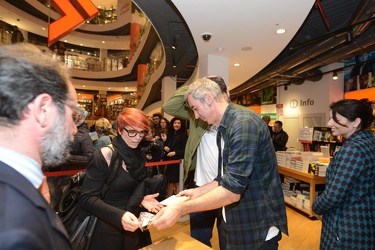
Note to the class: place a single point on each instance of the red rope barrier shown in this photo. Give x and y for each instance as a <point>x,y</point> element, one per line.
<point>74,171</point>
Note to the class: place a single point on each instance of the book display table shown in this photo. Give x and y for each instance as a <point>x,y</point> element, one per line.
<point>305,177</point>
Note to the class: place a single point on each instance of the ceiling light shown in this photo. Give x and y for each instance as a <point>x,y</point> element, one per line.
<point>220,49</point>
<point>280,31</point>
<point>236,64</point>
<point>109,87</point>
<point>103,41</point>
<point>334,76</point>
<point>84,86</point>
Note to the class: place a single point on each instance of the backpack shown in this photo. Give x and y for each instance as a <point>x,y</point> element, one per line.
<point>80,231</point>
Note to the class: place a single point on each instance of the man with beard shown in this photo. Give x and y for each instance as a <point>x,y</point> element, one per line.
<point>38,106</point>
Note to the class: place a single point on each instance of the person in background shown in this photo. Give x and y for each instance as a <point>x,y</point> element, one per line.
<point>174,148</point>
<point>247,185</point>
<point>117,227</point>
<point>156,117</point>
<point>81,151</point>
<point>346,206</point>
<point>105,133</point>
<point>153,150</point>
<point>17,36</point>
<point>279,136</point>
<point>267,120</point>
<point>200,161</point>
<point>37,124</point>
<point>164,125</point>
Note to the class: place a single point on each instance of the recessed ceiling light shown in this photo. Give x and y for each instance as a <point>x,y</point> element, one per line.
<point>280,31</point>
<point>43,28</point>
<point>103,41</point>
<point>246,48</point>
<point>81,44</point>
<point>84,86</point>
<point>109,87</point>
<point>220,49</point>
<point>66,41</point>
<point>236,64</point>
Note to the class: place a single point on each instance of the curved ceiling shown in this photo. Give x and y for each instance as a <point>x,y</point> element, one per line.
<point>245,32</point>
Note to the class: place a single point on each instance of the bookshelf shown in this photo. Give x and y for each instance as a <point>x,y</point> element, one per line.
<point>311,179</point>
<point>87,104</point>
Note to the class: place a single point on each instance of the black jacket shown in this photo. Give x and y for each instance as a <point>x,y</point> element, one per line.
<point>81,150</point>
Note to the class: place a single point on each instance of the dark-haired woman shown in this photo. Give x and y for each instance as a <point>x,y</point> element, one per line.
<point>347,205</point>
<point>174,148</point>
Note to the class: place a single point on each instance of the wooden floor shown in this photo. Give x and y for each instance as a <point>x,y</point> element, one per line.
<point>304,233</point>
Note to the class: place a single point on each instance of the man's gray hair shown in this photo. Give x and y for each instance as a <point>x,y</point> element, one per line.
<point>201,87</point>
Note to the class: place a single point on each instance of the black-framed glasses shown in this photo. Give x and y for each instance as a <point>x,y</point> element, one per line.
<point>134,133</point>
<point>78,115</point>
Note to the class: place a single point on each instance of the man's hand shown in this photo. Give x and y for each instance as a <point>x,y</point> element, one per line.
<point>167,217</point>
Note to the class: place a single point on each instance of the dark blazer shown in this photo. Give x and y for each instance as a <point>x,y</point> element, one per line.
<point>26,219</point>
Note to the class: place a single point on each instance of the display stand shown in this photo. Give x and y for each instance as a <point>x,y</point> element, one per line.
<point>305,177</point>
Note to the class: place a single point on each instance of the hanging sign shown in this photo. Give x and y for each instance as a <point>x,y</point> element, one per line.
<point>73,14</point>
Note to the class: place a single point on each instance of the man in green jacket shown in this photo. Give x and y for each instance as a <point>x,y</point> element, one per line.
<point>200,160</point>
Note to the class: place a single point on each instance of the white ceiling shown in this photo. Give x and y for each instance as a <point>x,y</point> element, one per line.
<point>233,24</point>
<point>237,24</point>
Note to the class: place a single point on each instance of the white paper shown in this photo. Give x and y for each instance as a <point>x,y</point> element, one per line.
<point>173,200</point>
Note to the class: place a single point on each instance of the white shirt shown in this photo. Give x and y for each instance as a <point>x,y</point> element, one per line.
<point>26,166</point>
<point>207,158</point>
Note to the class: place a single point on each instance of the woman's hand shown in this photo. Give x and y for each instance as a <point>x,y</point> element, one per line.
<point>166,149</point>
<point>318,216</point>
<point>170,154</point>
<point>151,203</point>
<point>129,222</point>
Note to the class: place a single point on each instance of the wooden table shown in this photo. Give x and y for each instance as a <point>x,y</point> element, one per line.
<point>180,241</point>
<point>305,177</point>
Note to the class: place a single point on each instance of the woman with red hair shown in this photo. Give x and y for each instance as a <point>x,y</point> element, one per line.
<point>118,226</point>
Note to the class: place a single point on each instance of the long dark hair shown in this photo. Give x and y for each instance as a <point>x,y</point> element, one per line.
<point>352,109</point>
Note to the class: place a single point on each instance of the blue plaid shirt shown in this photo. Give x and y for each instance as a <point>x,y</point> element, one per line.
<point>250,169</point>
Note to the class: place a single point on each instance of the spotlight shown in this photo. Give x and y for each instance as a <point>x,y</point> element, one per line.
<point>334,76</point>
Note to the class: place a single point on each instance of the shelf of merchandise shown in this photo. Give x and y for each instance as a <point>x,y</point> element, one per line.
<point>305,177</point>
<point>115,107</point>
<point>87,104</point>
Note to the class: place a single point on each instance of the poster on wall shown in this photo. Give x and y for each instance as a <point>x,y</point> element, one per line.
<point>250,99</point>
<point>362,74</point>
<point>268,96</point>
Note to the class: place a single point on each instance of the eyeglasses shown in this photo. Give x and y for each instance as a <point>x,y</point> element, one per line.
<point>79,115</point>
<point>134,133</point>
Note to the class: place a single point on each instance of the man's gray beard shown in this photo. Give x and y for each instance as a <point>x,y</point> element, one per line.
<point>55,144</point>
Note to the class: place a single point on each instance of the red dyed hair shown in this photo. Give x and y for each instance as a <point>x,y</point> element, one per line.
<point>134,118</point>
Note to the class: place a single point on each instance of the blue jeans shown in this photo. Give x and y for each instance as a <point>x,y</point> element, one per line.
<point>202,223</point>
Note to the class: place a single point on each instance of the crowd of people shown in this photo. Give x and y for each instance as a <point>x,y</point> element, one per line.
<point>230,166</point>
